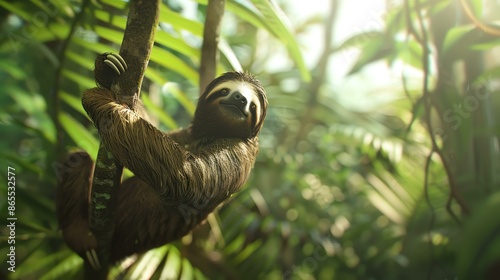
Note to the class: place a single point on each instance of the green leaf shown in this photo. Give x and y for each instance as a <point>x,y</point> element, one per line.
<point>281,27</point>
<point>29,102</point>
<point>158,112</point>
<point>229,54</point>
<point>359,40</point>
<point>111,35</point>
<point>155,76</point>
<point>187,270</point>
<point>180,22</point>
<point>410,52</point>
<point>80,79</point>
<point>272,19</point>
<point>43,206</point>
<point>172,267</point>
<point>486,45</point>
<point>47,261</point>
<point>95,46</point>
<point>374,50</point>
<point>52,32</point>
<point>149,262</point>
<point>14,159</point>
<point>86,62</point>
<point>480,246</point>
<point>488,75</point>
<point>66,268</point>
<point>35,106</point>
<point>79,134</point>
<point>73,101</point>
<point>117,4</point>
<point>13,70</point>
<point>248,251</point>
<point>117,21</point>
<point>247,15</point>
<point>477,7</point>
<point>15,9</point>
<point>174,63</point>
<point>176,44</point>
<point>454,35</point>
<point>182,98</point>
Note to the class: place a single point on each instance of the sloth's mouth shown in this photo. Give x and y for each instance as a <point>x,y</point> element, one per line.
<point>235,109</point>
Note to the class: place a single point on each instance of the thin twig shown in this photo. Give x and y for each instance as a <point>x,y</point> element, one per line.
<point>321,70</point>
<point>428,201</point>
<point>411,29</point>
<point>454,193</point>
<point>477,22</point>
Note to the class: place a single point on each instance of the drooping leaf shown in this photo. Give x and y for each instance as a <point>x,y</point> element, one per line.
<point>480,246</point>
<point>68,267</point>
<point>373,50</point>
<point>111,35</point>
<point>97,47</point>
<point>282,28</point>
<point>84,81</point>
<point>177,44</point>
<point>79,134</point>
<point>359,40</point>
<point>74,102</point>
<point>158,112</point>
<point>174,63</point>
<point>272,19</point>
<point>116,20</point>
<point>148,263</point>
<point>477,7</point>
<point>410,52</point>
<point>179,22</point>
<point>485,46</point>
<point>173,264</point>
<point>43,263</point>
<point>455,35</point>
<point>16,8</point>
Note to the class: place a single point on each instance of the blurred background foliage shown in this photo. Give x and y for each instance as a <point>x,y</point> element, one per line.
<point>379,157</point>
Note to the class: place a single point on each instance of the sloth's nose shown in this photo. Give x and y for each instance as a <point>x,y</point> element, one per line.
<point>238,97</point>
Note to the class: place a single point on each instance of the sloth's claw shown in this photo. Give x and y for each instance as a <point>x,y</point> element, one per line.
<point>116,62</point>
<point>120,58</point>
<point>110,64</point>
<point>93,259</point>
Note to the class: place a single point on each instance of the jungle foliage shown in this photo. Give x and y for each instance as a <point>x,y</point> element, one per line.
<point>405,187</point>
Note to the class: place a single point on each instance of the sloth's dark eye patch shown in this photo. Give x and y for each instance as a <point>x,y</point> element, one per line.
<point>220,93</point>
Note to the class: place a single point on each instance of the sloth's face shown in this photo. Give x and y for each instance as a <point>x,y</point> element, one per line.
<point>237,101</point>
<point>233,105</point>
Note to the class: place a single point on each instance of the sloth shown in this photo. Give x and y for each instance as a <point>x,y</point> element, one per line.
<point>180,176</point>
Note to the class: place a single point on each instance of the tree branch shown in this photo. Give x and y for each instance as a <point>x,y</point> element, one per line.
<point>136,48</point>
<point>209,50</point>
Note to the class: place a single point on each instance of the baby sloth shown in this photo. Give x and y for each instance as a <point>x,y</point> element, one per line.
<point>180,176</point>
